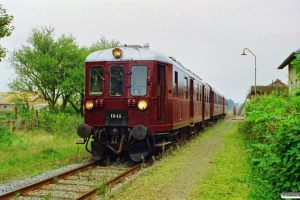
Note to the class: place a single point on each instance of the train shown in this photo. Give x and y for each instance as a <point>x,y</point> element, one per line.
<point>138,101</point>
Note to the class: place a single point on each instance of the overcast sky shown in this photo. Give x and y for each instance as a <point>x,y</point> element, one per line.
<point>206,36</point>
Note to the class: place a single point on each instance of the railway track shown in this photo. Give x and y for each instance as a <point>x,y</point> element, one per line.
<point>84,182</point>
<point>80,183</point>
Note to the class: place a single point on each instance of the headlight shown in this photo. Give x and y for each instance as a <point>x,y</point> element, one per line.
<point>142,105</point>
<point>117,52</point>
<point>89,105</point>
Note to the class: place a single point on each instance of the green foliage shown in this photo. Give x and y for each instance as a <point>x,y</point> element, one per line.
<point>59,122</point>
<point>273,124</point>
<point>5,138</point>
<point>296,63</point>
<point>50,67</point>
<point>5,29</point>
<point>102,188</point>
<point>53,68</point>
<point>44,150</point>
<point>17,195</point>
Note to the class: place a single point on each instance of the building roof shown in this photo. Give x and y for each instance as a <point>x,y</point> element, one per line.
<point>267,89</point>
<point>277,83</point>
<point>288,60</point>
<point>4,98</point>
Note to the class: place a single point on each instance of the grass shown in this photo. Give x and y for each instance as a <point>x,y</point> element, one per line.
<point>26,154</point>
<point>228,178</point>
<point>207,167</point>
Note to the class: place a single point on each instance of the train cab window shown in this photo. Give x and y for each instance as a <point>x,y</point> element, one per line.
<point>138,81</point>
<point>96,81</point>
<point>116,81</point>
<point>185,88</point>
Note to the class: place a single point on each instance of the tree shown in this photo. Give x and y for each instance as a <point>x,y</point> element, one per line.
<point>53,68</point>
<point>5,29</point>
<point>230,103</point>
<point>296,64</point>
<point>46,65</point>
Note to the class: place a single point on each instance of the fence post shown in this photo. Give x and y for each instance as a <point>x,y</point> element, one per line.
<point>37,117</point>
<point>16,113</point>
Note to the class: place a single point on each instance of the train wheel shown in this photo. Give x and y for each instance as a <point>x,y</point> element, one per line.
<point>139,151</point>
<point>97,150</point>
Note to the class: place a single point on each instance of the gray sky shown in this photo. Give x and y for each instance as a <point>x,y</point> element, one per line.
<point>206,36</point>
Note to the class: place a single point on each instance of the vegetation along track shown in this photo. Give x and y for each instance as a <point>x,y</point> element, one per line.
<point>86,181</point>
<point>79,183</point>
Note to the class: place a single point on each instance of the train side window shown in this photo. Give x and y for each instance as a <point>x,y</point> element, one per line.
<point>197,91</point>
<point>208,96</point>
<point>96,81</point>
<point>200,92</point>
<point>185,88</point>
<point>116,81</point>
<point>138,81</point>
<point>176,84</point>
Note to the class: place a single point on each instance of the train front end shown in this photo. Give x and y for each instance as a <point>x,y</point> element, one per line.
<point>117,100</point>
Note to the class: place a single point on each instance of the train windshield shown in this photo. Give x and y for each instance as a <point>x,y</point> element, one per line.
<point>96,81</point>
<point>138,81</point>
<point>116,81</point>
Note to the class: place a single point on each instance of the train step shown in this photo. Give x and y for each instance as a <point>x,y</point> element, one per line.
<point>80,142</point>
<point>163,133</point>
<point>162,144</point>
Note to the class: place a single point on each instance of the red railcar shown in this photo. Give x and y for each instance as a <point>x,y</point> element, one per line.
<point>218,104</point>
<point>138,100</point>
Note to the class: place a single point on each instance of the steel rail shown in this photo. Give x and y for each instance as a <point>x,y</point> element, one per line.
<point>26,189</point>
<point>111,182</point>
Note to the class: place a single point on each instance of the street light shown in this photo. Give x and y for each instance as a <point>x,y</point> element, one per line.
<point>254,65</point>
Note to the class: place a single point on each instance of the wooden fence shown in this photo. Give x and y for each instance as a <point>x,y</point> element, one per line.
<point>16,124</point>
<point>19,124</point>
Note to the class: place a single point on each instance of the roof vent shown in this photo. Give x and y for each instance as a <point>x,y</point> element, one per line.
<point>146,46</point>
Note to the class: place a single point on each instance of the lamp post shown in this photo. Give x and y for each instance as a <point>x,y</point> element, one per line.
<point>254,65</point>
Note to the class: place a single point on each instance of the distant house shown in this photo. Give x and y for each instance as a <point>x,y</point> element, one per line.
<point>276,85</point>
<point>292,76</point>
<point>7,99</point>
<point>5,105</point>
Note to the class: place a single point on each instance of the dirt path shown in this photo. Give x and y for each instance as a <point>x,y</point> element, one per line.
<point>177,175</point>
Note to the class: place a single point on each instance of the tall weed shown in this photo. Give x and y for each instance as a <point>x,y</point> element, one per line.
<point>273,125</point>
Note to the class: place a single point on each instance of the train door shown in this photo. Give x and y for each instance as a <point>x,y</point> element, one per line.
<point>191,98</point>
<point>161,93</point>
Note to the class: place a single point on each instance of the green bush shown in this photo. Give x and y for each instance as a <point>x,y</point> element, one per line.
<point>273,124</point>
<point>59,122</point>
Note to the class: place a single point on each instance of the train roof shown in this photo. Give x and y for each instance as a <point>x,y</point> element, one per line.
<point>136,52</point>
<point>214,90</point>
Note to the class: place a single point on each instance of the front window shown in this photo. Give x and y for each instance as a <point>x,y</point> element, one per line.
<point>116,81</point>
<point>96,81</point>
<point>138,81</point>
